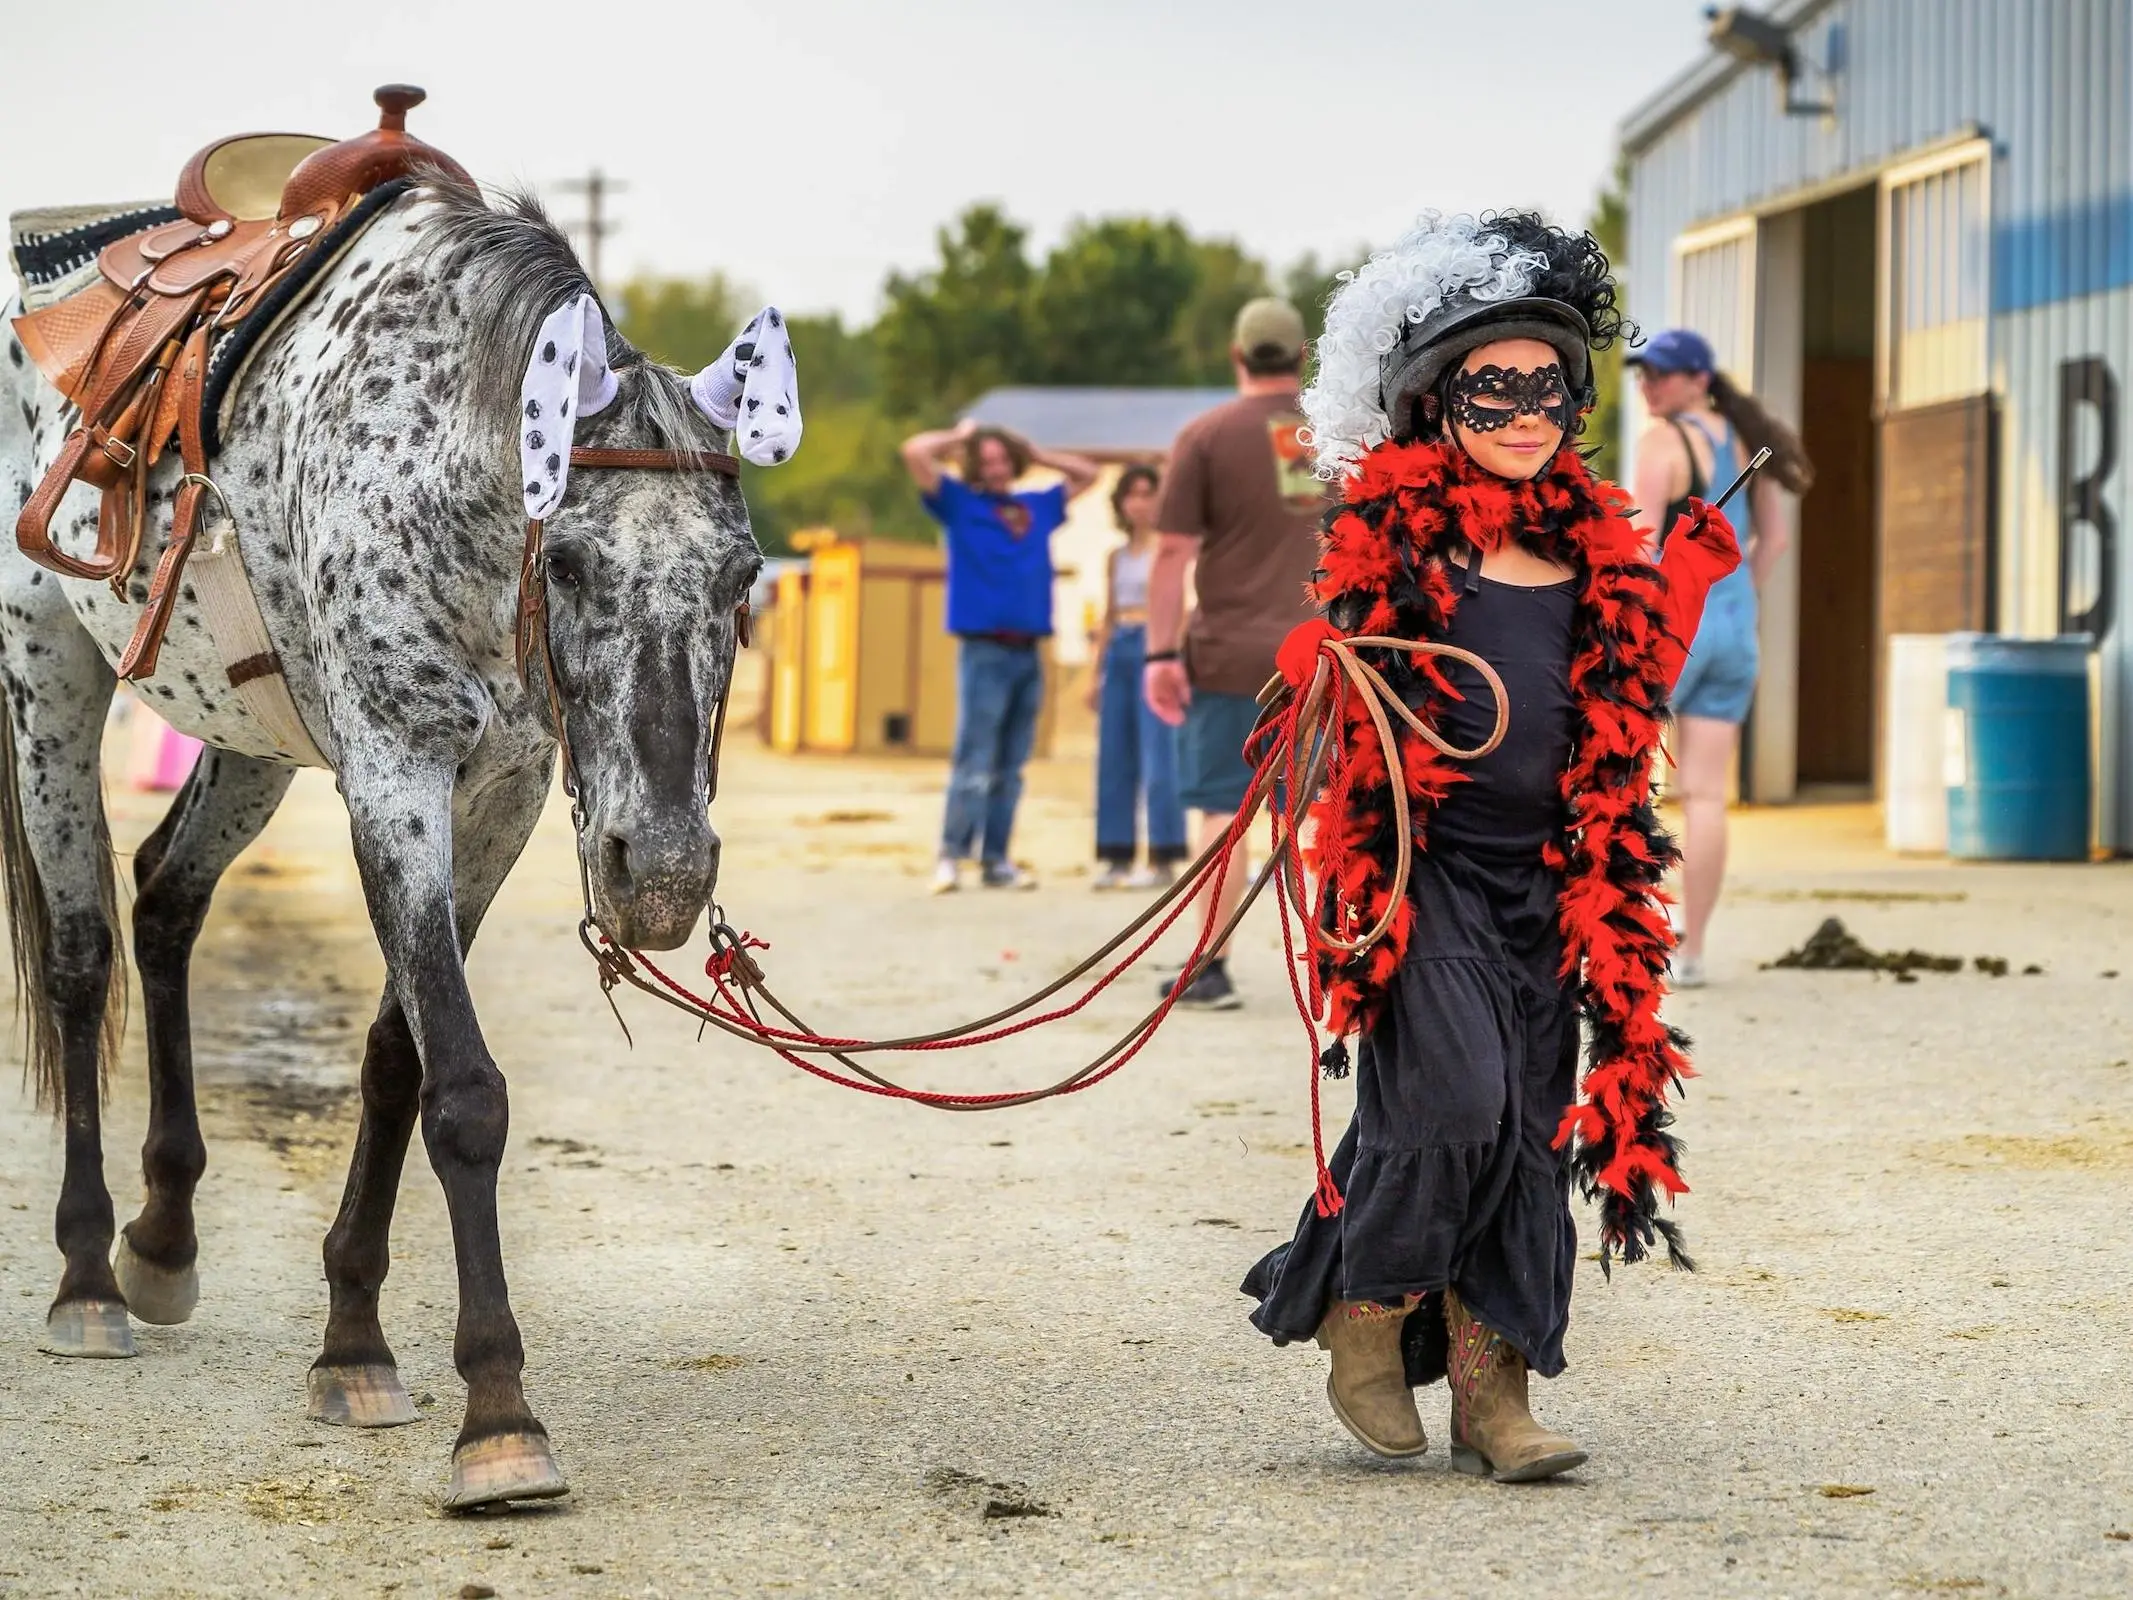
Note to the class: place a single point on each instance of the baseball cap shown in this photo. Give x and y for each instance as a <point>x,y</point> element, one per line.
<point>1674,350</point>
<point>1269,327</point>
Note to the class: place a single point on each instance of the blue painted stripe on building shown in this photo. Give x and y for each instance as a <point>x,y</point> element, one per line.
<point>2062,255</point>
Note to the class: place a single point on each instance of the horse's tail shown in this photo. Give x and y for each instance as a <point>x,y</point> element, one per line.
<point>29,926</point>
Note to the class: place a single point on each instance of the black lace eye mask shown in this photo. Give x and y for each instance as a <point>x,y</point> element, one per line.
<point>1492,397</point>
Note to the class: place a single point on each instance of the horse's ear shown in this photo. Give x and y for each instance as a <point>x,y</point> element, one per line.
<point>753,391</point>
<point>567,377</point>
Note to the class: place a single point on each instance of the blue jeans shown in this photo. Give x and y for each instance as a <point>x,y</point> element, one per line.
<point>999,691</point>
<point>1136,761</point>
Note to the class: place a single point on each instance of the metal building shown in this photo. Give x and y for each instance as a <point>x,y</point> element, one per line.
<point>1908,226</point>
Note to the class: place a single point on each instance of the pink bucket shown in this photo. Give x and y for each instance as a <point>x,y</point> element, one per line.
<point>162,757</point>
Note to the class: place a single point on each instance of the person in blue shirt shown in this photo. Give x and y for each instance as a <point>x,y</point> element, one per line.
<point>1000,609</point>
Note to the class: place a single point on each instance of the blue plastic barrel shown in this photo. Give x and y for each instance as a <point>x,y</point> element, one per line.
<point>2018,748</point>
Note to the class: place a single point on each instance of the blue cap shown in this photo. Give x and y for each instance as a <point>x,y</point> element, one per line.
<point>1674,350</point>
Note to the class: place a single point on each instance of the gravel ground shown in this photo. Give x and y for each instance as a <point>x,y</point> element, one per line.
<point>789,1338</point>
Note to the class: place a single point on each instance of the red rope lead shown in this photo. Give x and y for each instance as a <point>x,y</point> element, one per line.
<point>726,1006</point>
<point>1280,758</point>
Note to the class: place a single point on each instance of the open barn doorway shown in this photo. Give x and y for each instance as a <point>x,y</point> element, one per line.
<point>1837,527</point>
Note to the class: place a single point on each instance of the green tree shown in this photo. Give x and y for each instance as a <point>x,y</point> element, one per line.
<point>836,363</point>
<point>1105,308</point>
<point>1609,223</point>
<point>1225,277</point>
<point>1121,300</point>
<point>846,475</point>
<point>684,322</point>
<point>1309,283</point>
<point>949,334</point>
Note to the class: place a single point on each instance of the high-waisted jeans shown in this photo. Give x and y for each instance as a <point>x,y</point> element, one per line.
<point>1136,761</point>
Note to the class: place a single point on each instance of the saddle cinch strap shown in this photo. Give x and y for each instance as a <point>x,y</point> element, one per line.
<point>175,288</point>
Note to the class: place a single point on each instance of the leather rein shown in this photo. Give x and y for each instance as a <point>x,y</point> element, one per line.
<point>534,641</point>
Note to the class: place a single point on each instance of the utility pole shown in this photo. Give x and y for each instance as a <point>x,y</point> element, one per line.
<point>597,187</point>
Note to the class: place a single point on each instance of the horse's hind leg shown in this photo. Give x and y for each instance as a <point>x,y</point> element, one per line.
<point>221,809</point>
<point>61,909</point>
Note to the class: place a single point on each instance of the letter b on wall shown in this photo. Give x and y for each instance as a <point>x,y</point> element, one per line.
<point>2087,383</point>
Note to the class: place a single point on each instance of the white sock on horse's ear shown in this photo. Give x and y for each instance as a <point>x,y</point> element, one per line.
<point>753,391</point>
<point>567,377</point>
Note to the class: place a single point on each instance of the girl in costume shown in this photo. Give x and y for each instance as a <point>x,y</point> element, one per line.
<point>1454,373</point>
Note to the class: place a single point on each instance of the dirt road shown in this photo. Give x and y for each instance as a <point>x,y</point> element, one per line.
<point>789,1338</point>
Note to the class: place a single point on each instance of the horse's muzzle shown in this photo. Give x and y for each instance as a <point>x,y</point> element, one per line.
<point>652,881</point>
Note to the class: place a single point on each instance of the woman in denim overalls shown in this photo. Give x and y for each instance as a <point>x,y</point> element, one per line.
<point>1704,429</point>
<point>1136,751</point>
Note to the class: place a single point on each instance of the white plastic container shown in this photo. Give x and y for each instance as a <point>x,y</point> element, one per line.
<point>1914,744</point>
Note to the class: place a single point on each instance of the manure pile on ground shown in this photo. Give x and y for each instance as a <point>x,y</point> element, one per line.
<point>1835,948</point>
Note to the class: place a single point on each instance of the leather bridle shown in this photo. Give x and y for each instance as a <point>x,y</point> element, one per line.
<point>533,636</point>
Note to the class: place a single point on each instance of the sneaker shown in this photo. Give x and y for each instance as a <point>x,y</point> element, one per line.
<point>1005,875</point>
<point>1113,876</point>
<point>1149,878</point>
<point>1688,972</point>
<point>946,877</point>
<point>1210,991</point>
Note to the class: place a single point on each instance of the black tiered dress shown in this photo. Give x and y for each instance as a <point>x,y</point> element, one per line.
<point>1447,1167</point>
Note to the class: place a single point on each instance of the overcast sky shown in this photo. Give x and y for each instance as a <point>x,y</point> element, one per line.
<point>808,147</point>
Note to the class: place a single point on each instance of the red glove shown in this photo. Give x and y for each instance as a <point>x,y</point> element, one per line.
<point>1297,659</point>
<point>1700,550</point>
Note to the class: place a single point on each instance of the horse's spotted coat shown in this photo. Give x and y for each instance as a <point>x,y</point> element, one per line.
<point>371,465</point>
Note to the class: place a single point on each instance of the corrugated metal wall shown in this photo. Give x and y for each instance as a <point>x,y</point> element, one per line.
<point>2051,82</point>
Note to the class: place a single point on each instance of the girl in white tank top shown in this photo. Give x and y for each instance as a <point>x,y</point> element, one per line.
<point>1136,752</point>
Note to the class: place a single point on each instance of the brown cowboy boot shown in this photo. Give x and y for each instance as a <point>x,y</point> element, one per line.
<point>1493,1431</point>
<point>1368,1383</point>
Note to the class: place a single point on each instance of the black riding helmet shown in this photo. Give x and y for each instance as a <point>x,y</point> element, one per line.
<point>1431,350</point>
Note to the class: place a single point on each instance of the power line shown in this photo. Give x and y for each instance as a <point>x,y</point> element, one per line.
<point>597,188</point>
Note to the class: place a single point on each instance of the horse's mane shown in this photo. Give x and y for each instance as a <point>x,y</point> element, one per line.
<point>514,266</point>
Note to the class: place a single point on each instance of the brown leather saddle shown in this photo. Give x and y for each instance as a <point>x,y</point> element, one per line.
<point>132,350</point>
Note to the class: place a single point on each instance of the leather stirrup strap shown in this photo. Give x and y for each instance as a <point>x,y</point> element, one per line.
<point>33,528</point>
<point>139,661</point>
<point>116,403</point>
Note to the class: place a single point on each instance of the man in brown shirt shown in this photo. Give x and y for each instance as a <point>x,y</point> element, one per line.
<point>1241,508</point>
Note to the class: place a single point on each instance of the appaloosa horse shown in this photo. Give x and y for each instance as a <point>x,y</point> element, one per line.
<point>373,463</point>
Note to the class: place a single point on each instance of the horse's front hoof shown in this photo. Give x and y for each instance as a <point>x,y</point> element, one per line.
<point>369,1395</point>
<point>90,1329</point>
<point>507,1466</point>
<point>162,1295</point>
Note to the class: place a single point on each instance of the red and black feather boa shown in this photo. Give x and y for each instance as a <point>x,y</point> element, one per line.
<point>1408,508</point>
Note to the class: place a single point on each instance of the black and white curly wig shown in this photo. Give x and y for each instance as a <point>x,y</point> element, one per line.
<point>1405,318</point>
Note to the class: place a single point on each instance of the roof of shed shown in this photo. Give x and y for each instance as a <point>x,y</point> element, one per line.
<point>1096,421</point>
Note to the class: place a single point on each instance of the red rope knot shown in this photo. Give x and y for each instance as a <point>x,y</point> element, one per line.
<point>730,958</point>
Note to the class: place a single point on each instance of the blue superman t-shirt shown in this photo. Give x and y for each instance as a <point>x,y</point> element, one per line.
<point>999,556</point>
